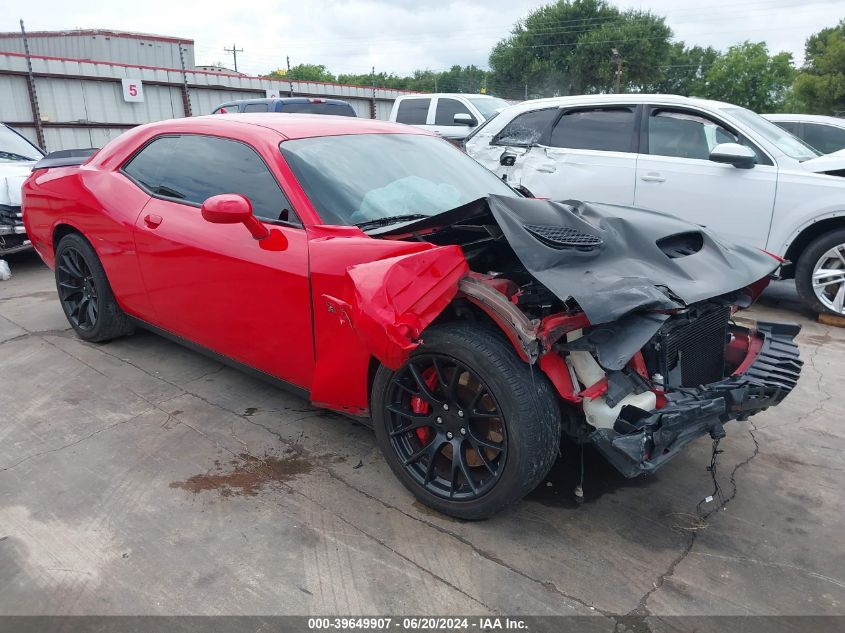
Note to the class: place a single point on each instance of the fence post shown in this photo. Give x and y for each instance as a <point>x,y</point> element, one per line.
<point>186,96</point>
<point>33,95</point>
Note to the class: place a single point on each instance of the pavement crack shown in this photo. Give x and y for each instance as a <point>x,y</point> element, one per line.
<point>548,585</point>
<point>635,620</point>
<point>74,443</point>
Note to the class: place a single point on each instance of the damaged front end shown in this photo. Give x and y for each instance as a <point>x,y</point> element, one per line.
<point>629,313</point>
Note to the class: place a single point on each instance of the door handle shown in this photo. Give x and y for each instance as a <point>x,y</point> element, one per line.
<point>652,178</point>
<point>152,220</point>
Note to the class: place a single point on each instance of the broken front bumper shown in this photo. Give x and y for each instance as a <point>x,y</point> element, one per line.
<point>641,442</point>
<point>12,232</point>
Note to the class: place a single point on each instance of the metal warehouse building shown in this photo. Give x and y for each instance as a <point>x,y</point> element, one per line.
<point>83,88</point>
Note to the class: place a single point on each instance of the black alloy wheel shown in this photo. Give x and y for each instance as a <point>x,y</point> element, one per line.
<point>446,427</point>
<point>466,426</point>
<point>77,290</point>
<point>85,293</point>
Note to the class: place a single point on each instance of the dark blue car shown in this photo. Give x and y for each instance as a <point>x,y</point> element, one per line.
<point>303,105</point>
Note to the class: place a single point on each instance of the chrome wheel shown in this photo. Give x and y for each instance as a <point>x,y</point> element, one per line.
<point>829,279</point>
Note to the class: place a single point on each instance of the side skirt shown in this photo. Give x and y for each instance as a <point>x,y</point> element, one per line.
<point>225,360</point>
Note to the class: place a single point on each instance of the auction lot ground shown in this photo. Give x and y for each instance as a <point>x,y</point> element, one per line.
<point>138,477</point>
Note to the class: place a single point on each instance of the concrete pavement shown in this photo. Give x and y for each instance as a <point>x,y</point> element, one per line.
<point>138,477</point>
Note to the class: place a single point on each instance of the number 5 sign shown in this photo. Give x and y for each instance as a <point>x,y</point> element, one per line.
<point>133,91</point>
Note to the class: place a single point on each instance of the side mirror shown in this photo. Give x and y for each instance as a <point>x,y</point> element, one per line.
<point>734,154</point>
<point>462,118</point>
<point>233,208</point>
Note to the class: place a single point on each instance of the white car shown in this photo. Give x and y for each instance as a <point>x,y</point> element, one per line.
<point>452,115</point>
<point>17,156</point>
<point>712,163</point>
<point>824,133</point>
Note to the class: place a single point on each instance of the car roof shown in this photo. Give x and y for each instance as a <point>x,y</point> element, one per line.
<point>429,95</point>
<point>288,125</point>
<point>809,118</point>
<point>625,98</point>
<point>288,100</point>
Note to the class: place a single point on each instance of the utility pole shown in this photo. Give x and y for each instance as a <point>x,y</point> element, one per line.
<point>290,81</point>
<point>234,50</point>
<point>617,58</point>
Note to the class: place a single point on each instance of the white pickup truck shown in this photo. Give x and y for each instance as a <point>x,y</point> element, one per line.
<point>452,115</point>
<point>711,163</point>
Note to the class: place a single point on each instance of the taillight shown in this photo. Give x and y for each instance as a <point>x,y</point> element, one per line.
<point>315,100</point>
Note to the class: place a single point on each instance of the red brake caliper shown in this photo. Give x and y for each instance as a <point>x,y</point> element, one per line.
<point>418,405</point>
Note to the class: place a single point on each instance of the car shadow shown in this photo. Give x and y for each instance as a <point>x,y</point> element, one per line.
<point>600,478</point>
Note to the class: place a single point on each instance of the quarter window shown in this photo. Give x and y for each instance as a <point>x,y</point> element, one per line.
<point>789,126</point>
<point>191,168</point>
<point>255,107</point>
<point>825,138</point>
<point>413,111</point>
<point>602,129</point>
<point>527,129</point>
<point>447,109</point>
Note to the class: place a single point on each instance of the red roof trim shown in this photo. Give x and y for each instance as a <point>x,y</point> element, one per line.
<point>202,72</point>
<point>106,33</point>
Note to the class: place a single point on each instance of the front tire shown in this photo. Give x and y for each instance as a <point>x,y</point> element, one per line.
<point>85,294</point>
<point>465,425</point>
<point>820,273</point>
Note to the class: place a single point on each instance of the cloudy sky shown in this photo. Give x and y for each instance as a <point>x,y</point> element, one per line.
<point>399,35</point>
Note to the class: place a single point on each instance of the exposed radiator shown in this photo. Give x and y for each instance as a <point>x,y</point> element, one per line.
<point>691,348</point>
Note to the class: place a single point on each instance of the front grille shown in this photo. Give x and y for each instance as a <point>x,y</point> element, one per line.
<point>691,349</point>
<point>10,217</point>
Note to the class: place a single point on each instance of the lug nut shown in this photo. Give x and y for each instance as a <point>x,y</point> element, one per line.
<point>460,414</point>
<point>439,420</point>
<point>463,431</point>
<point>449,435</point>
<point>445,407</point>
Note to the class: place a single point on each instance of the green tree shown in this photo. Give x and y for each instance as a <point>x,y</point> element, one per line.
<point>747,76</point>
<point>566,48</point>
<point>684,70</point>
<point>820,86</point>
<point>304,72</point>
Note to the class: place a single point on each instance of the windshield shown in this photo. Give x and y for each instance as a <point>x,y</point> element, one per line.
<point>14,147</point>
<point>363,177</point>
<point>780,138</point>
<point>488,106</point>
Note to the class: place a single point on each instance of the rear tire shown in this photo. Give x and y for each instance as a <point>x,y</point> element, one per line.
<point>85,294</point>
<point>482,435</point>
<point>826,252</point>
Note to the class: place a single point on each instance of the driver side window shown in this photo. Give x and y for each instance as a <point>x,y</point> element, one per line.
<point>685,134</point>
<point>190,168</point>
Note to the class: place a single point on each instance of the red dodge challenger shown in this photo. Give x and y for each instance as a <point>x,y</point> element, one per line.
<point>380,272</point>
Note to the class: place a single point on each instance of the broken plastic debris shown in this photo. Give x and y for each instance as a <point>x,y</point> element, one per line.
<point>5,271</point>
<point>708,499</point>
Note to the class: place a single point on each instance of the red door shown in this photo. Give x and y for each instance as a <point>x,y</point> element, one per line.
<point>214,284</point>
<point>217,286</point>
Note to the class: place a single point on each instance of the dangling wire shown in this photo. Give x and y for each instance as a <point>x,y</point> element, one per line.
<point>579,489</point>
<point>717,494</point>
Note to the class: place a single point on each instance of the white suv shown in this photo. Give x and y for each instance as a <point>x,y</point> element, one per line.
<point>452,115</point>
<point>711,163</point>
